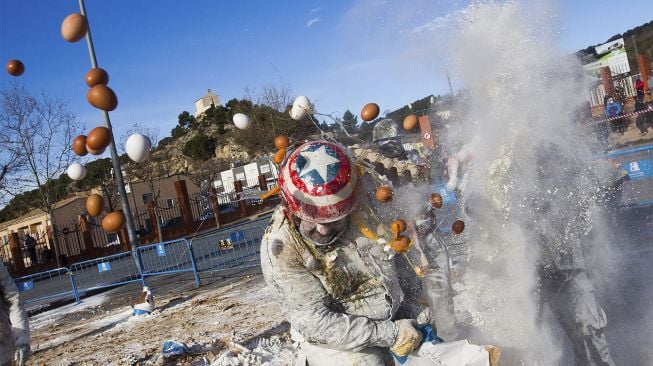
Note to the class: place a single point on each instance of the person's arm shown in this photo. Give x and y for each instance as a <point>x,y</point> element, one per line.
<point>304,302</point>
<point>17,314</point>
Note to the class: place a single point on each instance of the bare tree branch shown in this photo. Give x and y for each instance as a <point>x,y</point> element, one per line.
<point>37,132</point>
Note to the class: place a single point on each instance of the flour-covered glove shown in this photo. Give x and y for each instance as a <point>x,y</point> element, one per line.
<point>21,353</point>
<point>408,337</point>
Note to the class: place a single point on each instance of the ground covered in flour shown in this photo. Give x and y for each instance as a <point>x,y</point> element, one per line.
<point>224,322</point>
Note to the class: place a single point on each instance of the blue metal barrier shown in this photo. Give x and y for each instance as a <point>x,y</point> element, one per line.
<point>114,270</point>
<point>224,250</point>
<point>55,283</point>
<point>169,257</point>
<point>638,163</point>
<point>235,247</point>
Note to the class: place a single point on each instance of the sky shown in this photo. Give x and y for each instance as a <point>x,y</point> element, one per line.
<point>163,55</point>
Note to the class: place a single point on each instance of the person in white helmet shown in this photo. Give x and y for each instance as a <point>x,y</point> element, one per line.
<point>14,325</point>
<point>341,294</point>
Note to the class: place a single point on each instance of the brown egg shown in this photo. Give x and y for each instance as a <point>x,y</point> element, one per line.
<point>74,27</point>
<point>15,68</point>
<point>281,142</point>
<point>410,122</point>
<point>94,204</point>
<point>99,138</point>
<point>398,226</point>
<point>458,226</point>
<point>79,145</point>
<point>279,156</point>
<point>384,194</point>
<point>102,97</point>
<point>400,245</point>
<point>370,111</point>
<point>95,151</point>
<point>435,200</point>
<point>96,76</point>
<point>113,222</point>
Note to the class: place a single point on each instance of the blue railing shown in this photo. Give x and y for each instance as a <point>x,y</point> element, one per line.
<point>234,247</point>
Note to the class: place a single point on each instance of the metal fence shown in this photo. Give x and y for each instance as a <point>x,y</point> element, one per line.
<point>237,246</point>
<point>625,84</point>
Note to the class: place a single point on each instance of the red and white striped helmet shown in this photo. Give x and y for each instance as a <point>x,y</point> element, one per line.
<point>318,182</point>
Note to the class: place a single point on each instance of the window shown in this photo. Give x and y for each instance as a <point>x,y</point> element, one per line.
<point>147,198</point>
<point>170,202</point>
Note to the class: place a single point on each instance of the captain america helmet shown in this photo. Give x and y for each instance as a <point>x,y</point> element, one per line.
<point>318,182</point>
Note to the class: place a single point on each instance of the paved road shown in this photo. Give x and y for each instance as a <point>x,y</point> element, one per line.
<point>628,294</point>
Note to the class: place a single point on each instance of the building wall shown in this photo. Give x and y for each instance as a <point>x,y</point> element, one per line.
<point>140,191</point>
<point>205,102</point>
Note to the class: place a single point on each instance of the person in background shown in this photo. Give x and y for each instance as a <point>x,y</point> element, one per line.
<point>30,244</point>
<point>14,325</point>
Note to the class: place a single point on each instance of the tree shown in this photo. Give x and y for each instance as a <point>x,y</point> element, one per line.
<point>38,130</point>
<point>186,120</point>
<point>200,147</point>
<point>215,115</point>
<point>349,121</point>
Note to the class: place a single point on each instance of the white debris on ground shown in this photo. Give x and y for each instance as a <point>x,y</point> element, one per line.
<point>233,324</point>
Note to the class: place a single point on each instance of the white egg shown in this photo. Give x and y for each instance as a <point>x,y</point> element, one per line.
<point>300,107</point>
<point>76,171</point>
<point>242,121</point>
<point>138,147</point>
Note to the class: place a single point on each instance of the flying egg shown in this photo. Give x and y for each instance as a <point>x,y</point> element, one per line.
<point>96,76</point>
<point>74,27</point>
<point>94,204</point>
<point>242,121</point>
<point>113,222</point>
<point>98,139</point>
<point>76,171</point>
<point>370,111</point>
<point>138,147</point>
<point>102,97</point>
<point>15,68</point>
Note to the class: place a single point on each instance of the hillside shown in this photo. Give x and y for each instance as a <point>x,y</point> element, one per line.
<point>637,40</point>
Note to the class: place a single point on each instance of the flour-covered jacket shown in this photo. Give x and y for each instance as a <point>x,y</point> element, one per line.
<point>341,297</point>
<point>14,325</point>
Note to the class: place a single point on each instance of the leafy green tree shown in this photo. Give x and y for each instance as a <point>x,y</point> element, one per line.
<point>186,120</point>
<point>216,116</point>
<point>178,131</point>
<point>349,121</point>
<point>201,147</point>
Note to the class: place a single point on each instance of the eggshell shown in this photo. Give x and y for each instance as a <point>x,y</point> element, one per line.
<point>384,194</point>
<point>458,226</point>
<point>76,171</point>
<point>79,145</point>
<point>138,147</point>
<point>15,68</point>
<point>370,111</point>
<point>74,27</point>
<point>435,200</point>
<point>96,76</point>
<point>279,156</point>
<point>400,245</point>
<point>281,142</point>
<point>99,138</point>
<point>410,122</point>
<point>398,226</point>
<point>242,121</point>
<point>113,222</point>
<point>94,204</point>
<point>102,97</point>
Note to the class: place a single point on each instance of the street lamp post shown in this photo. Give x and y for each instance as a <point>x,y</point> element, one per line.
<point>114,155</point>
